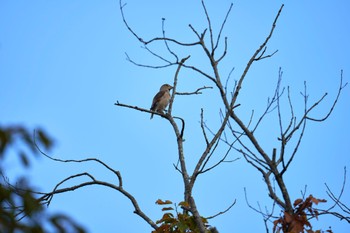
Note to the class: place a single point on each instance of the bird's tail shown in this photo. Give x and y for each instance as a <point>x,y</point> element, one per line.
<point>152,109</point>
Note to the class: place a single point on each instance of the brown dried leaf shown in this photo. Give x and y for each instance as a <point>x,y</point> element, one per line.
<point>316,201</point>
<point>297,202</point>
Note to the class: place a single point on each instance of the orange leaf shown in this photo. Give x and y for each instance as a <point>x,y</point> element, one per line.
<point>160,202</point>
<point>167,218</point>
<point>167,208</point>
<point>297,202</point>
<point>316,201</point>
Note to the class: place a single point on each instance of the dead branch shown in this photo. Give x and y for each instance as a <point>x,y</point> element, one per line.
<point>117,173</point>
<point>196,92</point>
<point>166,42</point>
<point>200,72</point>
<point>267,214</point>
<point>271,103</point>
<point>222,160</point>
<point>46,197</point>
<point>203,128</point>
<point>341,87</point>
<point>337,202</point>
<point>266,56</point>
<point>301,125</point>
<point>253,58</point>
<point>209,25</point>
<point>145,42</point>
<point>222,212</point>
<point>137,209</point>
<point>139,109</point>
<point>175,83</point>
<point>208,149</point>
<point>221,29</point>
<point>228,79</point>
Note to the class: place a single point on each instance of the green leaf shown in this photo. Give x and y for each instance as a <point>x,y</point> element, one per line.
<point>24,158</point>
<point>184,204</point>
<point>44,139</point>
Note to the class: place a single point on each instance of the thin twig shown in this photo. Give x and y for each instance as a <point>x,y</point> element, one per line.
<point>203,129</point>
<point>196,92</point>
<point>222,212</point>
<point>252,59</point>
<point>341,87</point>
<point>145,42</point>
<point>222,27</point>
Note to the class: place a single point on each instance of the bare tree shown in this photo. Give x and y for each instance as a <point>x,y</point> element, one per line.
<point>239,136</point>
<point>271,165</point>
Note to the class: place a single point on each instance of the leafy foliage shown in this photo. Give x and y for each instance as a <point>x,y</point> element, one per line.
<point>179,222</point>
<point>298,221</point>
<point>20,210</point>
<point>15,135</point>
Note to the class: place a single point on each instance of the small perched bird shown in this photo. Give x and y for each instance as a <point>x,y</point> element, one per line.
<point>161,99</point>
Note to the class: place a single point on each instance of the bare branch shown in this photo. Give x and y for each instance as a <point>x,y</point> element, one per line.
<point>166,42</point>
<point>302,123</point>
<point>117,173</point>
<point>47,197</point>
<point>222,27</point>
<point>341,87</point>
<point>200,72</point>
<point>201,170</point>
<point>228,79</point>
<point>137,209</point>
<point>158,56</point>
<point>292,117</point>
<point>222,160</point>
<point>337,202</point>
<point>210,28</point>
<point>150,66</point>
<point>252,59</point>
<point>336,199</point>
<point>203,130</point>
<point>265,215</point>
<point>196,92</point>
<point>200,37</point>
<point>222,212</point>
<point>224,53</point>
<point>139,109</point>
<point>175,83</point>
<point>262,55</point>
<point>121,7</point>
<point>208,149</point>
<point>304,117</point>
<point>182,127</point>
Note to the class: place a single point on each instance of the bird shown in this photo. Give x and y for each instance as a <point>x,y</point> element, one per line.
<point>161,99</point>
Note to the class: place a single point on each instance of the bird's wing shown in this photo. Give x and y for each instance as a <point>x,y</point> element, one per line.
<point>156,99</point>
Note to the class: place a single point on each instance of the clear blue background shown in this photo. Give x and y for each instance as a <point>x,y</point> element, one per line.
<point>62,67</point>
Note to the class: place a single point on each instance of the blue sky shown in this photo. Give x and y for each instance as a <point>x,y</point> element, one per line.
<point>63,66</point>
